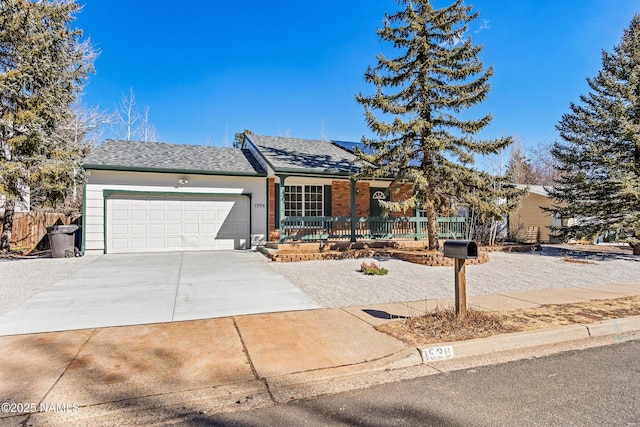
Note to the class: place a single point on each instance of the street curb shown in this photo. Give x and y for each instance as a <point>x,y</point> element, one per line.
<point>521,340</point>
<point>409,363</point>
<point>614,327</point>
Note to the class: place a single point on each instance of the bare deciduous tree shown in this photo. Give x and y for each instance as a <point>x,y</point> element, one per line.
<point>130,123</point>
<point>544,167</point>
<point>126,115</point>
<point>535,166</point>
<point>147,130</point>
<point>76,136</point>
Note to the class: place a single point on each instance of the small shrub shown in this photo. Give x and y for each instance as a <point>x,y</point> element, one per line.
<point>367,265</point>
<point>372,269</point>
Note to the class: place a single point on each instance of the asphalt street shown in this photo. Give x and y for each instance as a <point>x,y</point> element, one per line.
<point>593,387</point>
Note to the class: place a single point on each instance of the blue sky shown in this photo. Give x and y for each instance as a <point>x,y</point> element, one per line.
<point>208,69</point>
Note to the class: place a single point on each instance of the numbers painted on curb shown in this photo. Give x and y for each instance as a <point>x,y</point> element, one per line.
<point>436,353</point>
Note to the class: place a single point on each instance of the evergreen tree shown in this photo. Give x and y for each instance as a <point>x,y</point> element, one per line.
<point>599,154</point>
<point>238,138</point>
<point>519,168</point>
<point>43,64</point>
<point>419,94</point>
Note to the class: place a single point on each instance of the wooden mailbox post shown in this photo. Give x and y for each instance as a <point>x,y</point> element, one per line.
<point>460,251</point>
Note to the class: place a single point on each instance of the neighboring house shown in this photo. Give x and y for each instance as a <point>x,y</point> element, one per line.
<point>145,196</point>
<point>531,214</point>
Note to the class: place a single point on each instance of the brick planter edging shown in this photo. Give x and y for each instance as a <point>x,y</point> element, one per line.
<point>416,257</point>
<point>435,259</point>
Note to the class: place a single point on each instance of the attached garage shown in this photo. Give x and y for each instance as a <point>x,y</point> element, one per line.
<point>157,197</point>
<point>148,223</point>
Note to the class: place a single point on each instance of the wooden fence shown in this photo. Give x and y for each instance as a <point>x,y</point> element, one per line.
<point>29,230</point>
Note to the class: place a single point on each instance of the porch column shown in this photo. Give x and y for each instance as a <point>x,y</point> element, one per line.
<point>353,209</point>
<point>281,207</point>
<point>418,223</point>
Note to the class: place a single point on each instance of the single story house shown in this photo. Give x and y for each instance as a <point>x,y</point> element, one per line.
<point>149,196</point>
<point>531,215</point>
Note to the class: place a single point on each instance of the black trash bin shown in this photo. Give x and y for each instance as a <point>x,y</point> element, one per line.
<point>62,240</point>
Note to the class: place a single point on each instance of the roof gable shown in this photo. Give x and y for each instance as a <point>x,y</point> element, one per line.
<point>534,189</point>
<point>163,157</point>
<point>304,155</point>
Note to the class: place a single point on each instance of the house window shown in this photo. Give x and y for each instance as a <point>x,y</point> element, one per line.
<point>304,200</point>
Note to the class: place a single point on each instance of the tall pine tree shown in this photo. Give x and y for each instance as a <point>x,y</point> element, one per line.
<point>420,138</point>
<point>599,153</point>
<point>519,167</point>
<point>43,65</point>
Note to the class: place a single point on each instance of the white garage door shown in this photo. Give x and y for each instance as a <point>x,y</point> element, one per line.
<point>176,223</point>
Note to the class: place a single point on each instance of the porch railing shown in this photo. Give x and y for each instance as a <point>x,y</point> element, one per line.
<point>312,228</point>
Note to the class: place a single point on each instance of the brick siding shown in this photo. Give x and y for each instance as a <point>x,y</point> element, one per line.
<point>405,192</point>
<point>273,232</point>
<point>363,199</point>
<point>340,198</point>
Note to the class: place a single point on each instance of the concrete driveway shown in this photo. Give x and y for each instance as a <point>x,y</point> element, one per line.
<point>116,290</point>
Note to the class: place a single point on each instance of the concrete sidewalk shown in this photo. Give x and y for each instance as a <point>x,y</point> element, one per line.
<point>169,372</point>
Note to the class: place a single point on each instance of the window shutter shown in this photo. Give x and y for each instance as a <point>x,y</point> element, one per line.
<point>327,200</point>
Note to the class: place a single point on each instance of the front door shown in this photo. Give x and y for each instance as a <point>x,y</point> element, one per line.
<point>377,195</point>
<point>378,227</point>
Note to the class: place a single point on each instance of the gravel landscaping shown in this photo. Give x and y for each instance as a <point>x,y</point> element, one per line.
<point>339,283</point>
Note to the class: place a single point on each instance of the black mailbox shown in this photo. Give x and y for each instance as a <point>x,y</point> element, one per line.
<point>460,249</point>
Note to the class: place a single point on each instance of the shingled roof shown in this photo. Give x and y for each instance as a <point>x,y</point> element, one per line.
<point>162,157</point>
<point>304,155</point>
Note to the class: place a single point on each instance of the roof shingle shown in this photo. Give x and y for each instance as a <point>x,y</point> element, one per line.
<point>159,156</point>
<point>304,155</point>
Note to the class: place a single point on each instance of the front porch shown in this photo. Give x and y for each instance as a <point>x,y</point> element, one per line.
<point>352,229</point>
<point>321,209</point>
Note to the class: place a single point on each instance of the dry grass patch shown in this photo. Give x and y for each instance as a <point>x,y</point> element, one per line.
<point>441,325</point>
